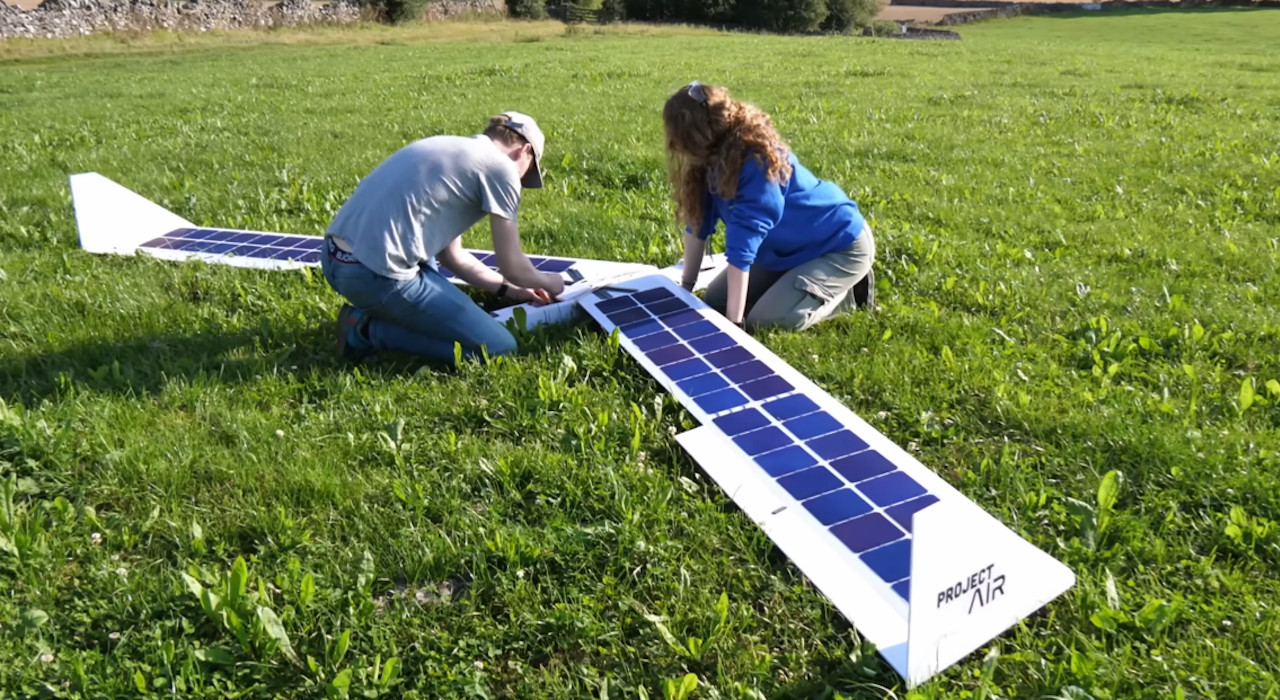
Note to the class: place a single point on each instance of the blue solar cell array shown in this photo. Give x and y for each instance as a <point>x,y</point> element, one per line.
<point>283,246</point>
<point>543,264</point>
<point>861,497</point>
<point>265,246</point>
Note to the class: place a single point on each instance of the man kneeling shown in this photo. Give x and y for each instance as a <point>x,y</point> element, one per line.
<point>414,207</point>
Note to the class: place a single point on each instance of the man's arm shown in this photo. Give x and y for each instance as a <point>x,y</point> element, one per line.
<point>468,268</point>
<point>512,261</point>
<point>475,273</point>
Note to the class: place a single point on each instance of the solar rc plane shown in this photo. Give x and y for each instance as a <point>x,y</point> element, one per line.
<point>917,567</point>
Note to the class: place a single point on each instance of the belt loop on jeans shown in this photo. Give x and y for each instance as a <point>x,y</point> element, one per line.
<point>339,254</point>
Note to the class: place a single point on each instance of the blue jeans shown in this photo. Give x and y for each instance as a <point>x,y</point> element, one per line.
<point>424,315</point>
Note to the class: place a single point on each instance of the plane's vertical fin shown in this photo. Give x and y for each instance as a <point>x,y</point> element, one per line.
<point>972,578</point>
<point>114,219</point>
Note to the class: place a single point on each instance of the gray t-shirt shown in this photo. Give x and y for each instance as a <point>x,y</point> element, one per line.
<point>422,197</point>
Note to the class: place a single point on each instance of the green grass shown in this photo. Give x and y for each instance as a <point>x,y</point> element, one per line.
<point>1077,221</point>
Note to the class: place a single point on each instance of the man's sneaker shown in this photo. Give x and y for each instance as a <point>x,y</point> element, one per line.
<point>351,344</point>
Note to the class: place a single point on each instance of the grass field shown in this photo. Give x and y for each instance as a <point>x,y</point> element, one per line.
<point>1077,220</point>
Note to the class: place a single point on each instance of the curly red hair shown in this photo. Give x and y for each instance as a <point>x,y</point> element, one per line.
<point>709,136</point>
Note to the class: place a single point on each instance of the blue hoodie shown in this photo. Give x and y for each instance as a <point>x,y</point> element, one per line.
<point>781,226</point>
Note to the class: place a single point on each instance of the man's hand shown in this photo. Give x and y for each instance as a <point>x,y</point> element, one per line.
<point>536,296</point>
<point>554,284</point>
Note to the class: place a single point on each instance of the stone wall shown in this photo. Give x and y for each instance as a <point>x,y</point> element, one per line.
<point>65,18</point>
<point>954,18</point>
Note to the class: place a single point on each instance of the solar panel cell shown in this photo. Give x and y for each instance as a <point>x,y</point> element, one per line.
<point>740,422</point>
<point>812,425</point>
<point>681,318</point>
<point>762,440</point>
<point>695,330</point>
<point>722,400</point>
<point>728,357</point>
<point>785,461</point>
<point>618,303</point>
<point>272,240</point>
<point>837,444</point>
<point>666,306</point>
<point>640,328</point>
<point>702,384</point>
<point>205,246</point>
<point>652,295</point>
<point>553,265</point>
<point>768,387</point>
<point>684,369</point>
<point>866,532</point>
<point>790,407</point>
<point>655,341</point>
<point>748,371</point>
<point>862,466</point>
<point>903,589</point>
<point>626,316</point>
<point>810,482</point>
<point>837,506</point>
<point>894,487</point>
<point>891,562</point>
<point>669,354</point>
<point>711,343</point>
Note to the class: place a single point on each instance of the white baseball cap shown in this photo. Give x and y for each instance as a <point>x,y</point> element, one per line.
<point>524,125</point>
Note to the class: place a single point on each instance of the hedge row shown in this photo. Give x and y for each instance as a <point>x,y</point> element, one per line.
<point>784,16</point>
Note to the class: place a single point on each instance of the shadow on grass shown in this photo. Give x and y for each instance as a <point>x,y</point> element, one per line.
<point>146,365</point>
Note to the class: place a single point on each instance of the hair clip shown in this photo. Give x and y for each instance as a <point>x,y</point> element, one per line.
<point>697,93</point>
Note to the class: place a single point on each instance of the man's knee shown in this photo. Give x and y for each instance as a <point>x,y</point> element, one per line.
<point>501,343</point>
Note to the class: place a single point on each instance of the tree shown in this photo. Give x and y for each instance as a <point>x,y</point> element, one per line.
<point>843,15</point>
<point>784,16</point>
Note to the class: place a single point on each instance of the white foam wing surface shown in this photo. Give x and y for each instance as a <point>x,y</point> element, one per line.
<point>113,219</point>
<point>917,567</point>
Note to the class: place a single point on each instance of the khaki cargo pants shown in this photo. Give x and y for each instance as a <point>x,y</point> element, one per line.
<point>798,298</point>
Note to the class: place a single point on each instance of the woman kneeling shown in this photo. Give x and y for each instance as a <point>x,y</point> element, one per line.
<point>798,248</point>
